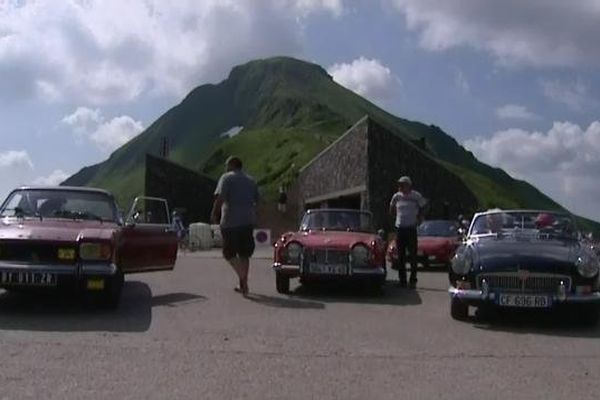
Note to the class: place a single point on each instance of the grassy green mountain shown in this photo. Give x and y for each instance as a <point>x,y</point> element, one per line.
<point>289,111</point>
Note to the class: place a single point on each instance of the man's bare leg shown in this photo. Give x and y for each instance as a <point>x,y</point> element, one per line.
<point>244,267</point>
<point>235,264</point>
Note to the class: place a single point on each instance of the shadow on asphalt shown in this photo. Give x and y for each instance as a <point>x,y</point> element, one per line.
<point>65,312</point>
<point>284,302</point>
<point>335,292</point>
<point>563,323</point>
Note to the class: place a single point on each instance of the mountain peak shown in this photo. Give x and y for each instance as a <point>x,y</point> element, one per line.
<point>281,65</point>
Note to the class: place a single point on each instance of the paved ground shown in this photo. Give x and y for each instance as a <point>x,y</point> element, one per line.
<point>187,335</point>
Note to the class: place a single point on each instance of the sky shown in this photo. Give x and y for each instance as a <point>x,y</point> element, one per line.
<point>515,82</point>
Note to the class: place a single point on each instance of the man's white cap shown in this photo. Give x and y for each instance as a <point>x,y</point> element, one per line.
<point>405,179</point>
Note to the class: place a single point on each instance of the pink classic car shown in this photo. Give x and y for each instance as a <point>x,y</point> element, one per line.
<point>331,244</point>
<point>75,238</point>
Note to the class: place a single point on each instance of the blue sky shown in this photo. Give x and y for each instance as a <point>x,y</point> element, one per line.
<point>515,82</point>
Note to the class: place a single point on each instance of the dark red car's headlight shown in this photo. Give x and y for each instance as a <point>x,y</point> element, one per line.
<point>95,251</point>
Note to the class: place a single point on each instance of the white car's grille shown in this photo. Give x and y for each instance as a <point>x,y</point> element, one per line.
<point>524,282</point>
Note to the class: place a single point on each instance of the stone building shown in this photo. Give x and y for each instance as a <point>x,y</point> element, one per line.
<point>360,170</point>
<point>186,190</point>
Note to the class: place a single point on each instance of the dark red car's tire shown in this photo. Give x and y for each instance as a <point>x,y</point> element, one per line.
<point>110,297</point>
<point>282,283</point>
<point>112,293</point>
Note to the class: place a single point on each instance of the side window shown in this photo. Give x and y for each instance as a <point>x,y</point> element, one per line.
<point>149,210</point>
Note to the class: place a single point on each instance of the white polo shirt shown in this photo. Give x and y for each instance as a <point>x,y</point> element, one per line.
<point>407,207</point>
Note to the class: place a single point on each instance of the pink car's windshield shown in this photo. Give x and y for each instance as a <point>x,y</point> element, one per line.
<point>337,220</point>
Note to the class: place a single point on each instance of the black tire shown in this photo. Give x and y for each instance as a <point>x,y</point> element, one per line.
<point>282,283</point>
<point>589,315</point>
<point>459,310</point>
<point>375,286</point>
<point>110,297</point>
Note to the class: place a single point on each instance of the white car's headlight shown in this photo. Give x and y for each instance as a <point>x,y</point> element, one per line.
<point>360,255</point>
<point>293,252</point>
<point>587,263</point>
<point>95,251</point>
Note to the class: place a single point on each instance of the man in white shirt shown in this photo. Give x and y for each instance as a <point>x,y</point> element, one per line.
<point>407,206</point>
<point>236,198</point>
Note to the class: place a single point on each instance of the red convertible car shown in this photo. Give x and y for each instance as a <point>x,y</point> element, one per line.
<point>437,243</point>
<point>331,244</point>
<point>68,237</point>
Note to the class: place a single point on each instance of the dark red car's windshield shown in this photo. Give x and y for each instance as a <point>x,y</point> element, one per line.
<point>65,204</point>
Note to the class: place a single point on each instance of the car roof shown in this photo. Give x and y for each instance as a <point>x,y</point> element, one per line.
<point>66,188</point>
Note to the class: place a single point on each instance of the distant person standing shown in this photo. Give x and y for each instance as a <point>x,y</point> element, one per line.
<point>234,207</point>
<point>282,200</point>
<point>407,206</point>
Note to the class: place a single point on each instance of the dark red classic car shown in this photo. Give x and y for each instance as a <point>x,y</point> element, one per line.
<point>75,238</point>
<point>437,243</point>
<point>331,244</point>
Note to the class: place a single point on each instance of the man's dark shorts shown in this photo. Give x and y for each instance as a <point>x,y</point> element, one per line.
<point>238,242</point>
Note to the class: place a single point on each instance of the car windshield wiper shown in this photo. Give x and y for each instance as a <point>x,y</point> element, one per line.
<point>17,212</point>
<point>88,215</point>
<point>76,215</point>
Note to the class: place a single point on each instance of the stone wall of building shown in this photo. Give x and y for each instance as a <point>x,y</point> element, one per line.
<point>341,166</point>
<point>391,157</point>
<point>186,190</point>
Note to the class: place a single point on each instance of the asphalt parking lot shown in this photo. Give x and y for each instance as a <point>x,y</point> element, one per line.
<point>187,335</point>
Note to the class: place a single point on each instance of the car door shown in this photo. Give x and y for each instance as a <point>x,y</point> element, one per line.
<point>148,241</point>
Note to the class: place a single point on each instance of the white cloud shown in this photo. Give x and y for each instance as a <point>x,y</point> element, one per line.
<point>107,135</point>
<point>15,159</point>
<point>56,177</point>
<point>116,132</point>
<point>96,52</point>
<point>335,7</point>
<point>461,82</point>
<point>564,161</point>
<point>367,77</point>
<point>534,33</point>
<point>515,111</point>
<point>573,94</point>
<point>83,120</point>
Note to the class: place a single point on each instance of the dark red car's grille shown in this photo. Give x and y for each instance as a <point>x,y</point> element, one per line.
<point>36,253</point>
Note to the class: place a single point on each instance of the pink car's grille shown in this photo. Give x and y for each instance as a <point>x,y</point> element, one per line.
<point>326,256</point>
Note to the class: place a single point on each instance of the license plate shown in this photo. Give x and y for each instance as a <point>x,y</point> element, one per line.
<point>95,284</point>
<point>330,269</point>
<point>523,300</point>
<point>28,278</point>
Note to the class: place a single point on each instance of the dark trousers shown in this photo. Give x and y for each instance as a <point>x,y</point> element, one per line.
<point>406,243</point>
